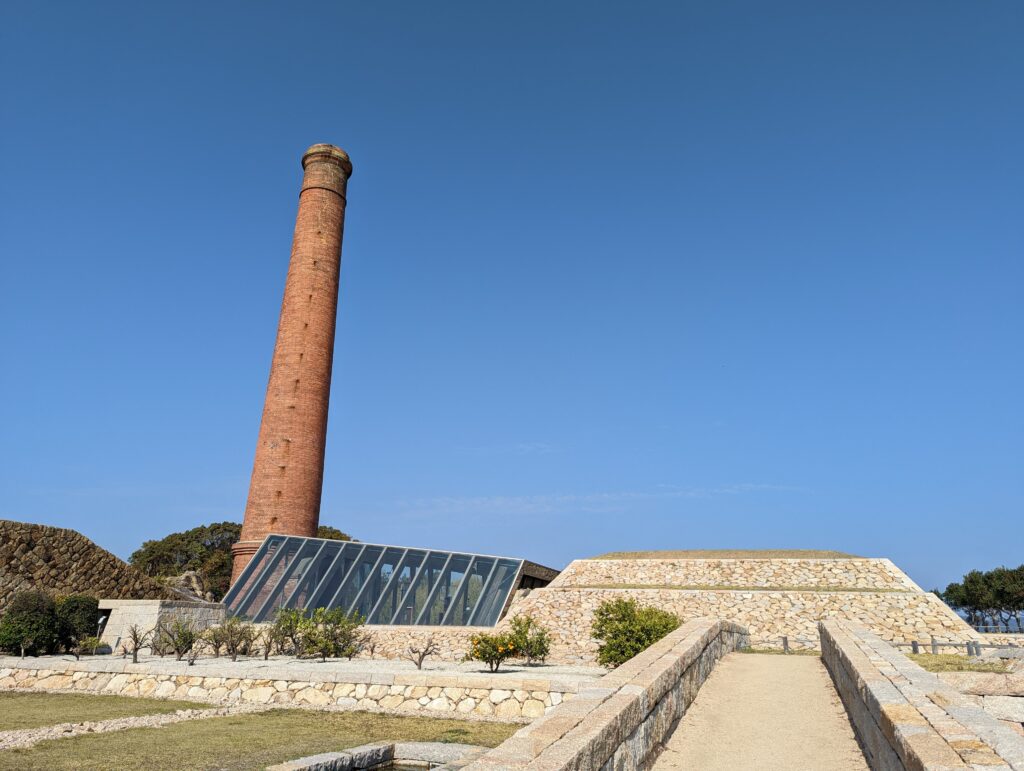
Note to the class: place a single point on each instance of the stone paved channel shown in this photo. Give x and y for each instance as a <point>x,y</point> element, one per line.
<point>765,713</point>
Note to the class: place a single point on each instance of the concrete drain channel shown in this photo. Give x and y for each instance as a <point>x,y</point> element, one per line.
<point>397,756</point>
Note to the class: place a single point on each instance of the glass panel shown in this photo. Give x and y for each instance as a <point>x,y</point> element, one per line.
<point>398,587</point>
<point>378,578</point>
<point>493,600</point>
<point>286,581</point>
<point>448,583</point>
<point>469,592</point>
<point>313,575</point>
<point>269,577</point>
<point>419,590</point>
<point>245,581</point>
<point>357,575</point>
<point>331,582</point>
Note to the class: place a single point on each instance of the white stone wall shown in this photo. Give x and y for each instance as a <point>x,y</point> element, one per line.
<point>504,697</point>
<point>768,615</point>
<point>874,574</point>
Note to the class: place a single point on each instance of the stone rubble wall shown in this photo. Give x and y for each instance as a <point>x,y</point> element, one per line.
<point>1003,639</point>
<point>865,574</point>
<point>905,717</point>
<point>767,615</point>
<point>623,718</point>
<point>60,561</point>
<point>502,697</point>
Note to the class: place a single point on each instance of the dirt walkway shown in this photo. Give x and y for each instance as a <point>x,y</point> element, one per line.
<point>765,712</point>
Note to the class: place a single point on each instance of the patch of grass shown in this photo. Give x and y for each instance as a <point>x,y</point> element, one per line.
<point>33,710</point>
<point>240,742</point>
<point>727,588</point>
<point>952,662</point>
<point>779,652</point>
<point>728,554</point>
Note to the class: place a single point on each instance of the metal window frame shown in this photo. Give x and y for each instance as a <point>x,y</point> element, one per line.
<point>261,580</point>
<point>483,592</point>
<point>371,574</point>
<point>347,577</point>
<point>433,590</point>
<point>412,586</point>
<point>457,596</point>
<point>384,592</point>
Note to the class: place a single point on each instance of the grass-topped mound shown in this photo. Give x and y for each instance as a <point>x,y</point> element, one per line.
<point>728,554</point>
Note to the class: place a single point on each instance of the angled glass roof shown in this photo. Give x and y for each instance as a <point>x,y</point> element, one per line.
<point>385,584</point>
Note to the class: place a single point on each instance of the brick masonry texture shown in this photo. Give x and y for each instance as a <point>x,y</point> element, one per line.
<point>618,721</point>
<point>62,561</point>
<point>287,475</point>
<point>876,574</point>
<point>907,718</point>
<point>503,697</point>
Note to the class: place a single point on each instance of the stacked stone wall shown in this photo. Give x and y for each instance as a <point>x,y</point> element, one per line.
<point>506,696</point>
<point>60,561</point>
<point>623,719</point>
<point>859,574</point>
<point>906,717</point>
<point>768,615</point>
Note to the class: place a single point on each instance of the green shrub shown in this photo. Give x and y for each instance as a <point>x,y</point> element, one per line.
<point>77,618</point>
<point>237,636</point>
<point>29,626</point>
<point>492,649</point>
<point>331,633</point>
<point>288,629</point>
<point>531,640</point>
<point>624,628</point>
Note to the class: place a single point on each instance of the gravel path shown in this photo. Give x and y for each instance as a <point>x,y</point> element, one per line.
<point>765,713</point>
<point>26,737</point>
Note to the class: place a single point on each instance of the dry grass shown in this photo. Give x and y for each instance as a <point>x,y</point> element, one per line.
<point>244,741</point>
<point>952,662</point>
<point>33,710</point>
<point>728,554</point>
<point>727,588</point>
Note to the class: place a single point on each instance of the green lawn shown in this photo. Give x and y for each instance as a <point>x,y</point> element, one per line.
<point>245,741</point>
<point>32,710</point>
<point>952,662</point>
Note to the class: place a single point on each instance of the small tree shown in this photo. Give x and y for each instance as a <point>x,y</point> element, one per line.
<point>532,640</point>
<point>288,626</point>
<point>180,636</point>
<point>237,636</point>
<point>136,640</point>
<point>29,626</point>
<point>418,654</point>
<point>331,633</point>
<point>624,628</point>
<point>492,649</point>
<point>214,638</point>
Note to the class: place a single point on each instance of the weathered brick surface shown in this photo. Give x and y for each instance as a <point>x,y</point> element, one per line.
<point>62,561</point>
<point>287,475</point>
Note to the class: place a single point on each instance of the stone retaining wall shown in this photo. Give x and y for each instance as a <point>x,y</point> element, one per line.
<point>62,561</point>
<point>623,718</point>
<point>876,574</point>
<point>504,696</point>
<point>907,718</point>
<point>148,614</point>
<point>768,615</point>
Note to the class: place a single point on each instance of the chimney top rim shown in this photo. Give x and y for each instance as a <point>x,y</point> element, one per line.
<point>327,152</point>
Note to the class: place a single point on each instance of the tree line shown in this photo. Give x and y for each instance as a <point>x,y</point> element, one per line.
<point>994,598</point>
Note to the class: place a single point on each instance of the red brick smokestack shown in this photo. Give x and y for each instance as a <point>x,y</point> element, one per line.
<point>288,473</point>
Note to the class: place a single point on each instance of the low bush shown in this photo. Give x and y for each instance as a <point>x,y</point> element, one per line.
<point>78,616</point>
<point>331,633</point>
<point>29,626</point>
<point>492,649</point>
<point>624,628</point>
<point>531,640</point>
<point>288,630</point>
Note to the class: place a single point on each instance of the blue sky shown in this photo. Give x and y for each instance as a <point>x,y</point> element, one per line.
<point>615,276</point>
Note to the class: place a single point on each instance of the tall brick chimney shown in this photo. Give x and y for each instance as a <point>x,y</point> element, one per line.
<point>288,473</point>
